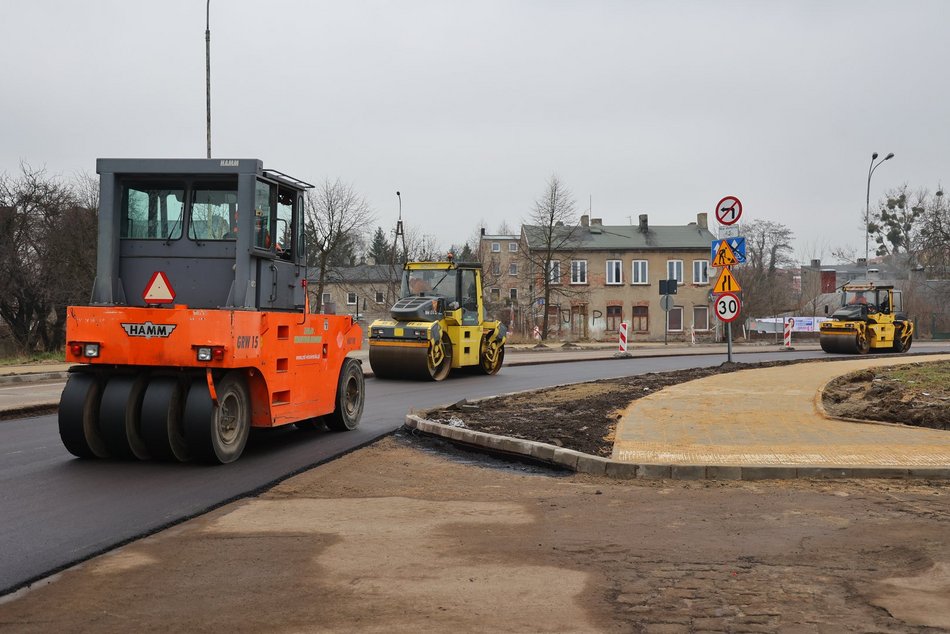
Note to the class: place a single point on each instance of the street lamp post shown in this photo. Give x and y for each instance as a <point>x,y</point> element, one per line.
<point>867,210</point>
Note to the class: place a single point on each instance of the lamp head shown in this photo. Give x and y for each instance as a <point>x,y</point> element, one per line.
<point>874,156</point>
<point>889,156</point>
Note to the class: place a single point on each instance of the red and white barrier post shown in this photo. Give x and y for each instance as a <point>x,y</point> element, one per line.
<point>623,336</point>
<point>788,332</point>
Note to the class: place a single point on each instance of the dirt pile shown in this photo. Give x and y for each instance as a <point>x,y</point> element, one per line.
<point>915,394</point>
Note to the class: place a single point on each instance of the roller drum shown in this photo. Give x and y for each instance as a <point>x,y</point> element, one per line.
<point>395,362</point>
<point>845,344</point>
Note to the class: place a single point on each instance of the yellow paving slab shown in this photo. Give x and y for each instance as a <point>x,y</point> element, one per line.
<point>769,417</point>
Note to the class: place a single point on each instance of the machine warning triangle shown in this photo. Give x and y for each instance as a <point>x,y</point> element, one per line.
<point>158,290</point>
<point>726,283</point>
<point>724,255</point>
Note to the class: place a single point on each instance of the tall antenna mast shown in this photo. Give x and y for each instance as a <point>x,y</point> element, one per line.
<point>400,233</point>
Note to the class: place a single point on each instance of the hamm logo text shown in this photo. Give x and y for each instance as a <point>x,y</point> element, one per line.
<point>149,330</point>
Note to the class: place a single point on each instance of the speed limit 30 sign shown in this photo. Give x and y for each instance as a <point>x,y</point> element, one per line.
<point>727,306</point>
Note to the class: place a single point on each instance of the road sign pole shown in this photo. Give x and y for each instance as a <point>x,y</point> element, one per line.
<point>666,321</point>
<point>729,341</point>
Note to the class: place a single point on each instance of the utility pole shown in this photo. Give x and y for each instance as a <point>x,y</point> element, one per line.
<point>208,68</point>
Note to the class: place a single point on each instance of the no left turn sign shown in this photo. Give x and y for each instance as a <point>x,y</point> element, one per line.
<point>727,306</point>
<point>729,210</point>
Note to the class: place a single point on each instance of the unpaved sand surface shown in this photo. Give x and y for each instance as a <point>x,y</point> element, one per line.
<point>410,536</point>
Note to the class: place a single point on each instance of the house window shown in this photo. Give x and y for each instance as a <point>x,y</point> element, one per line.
<point>639,272</point>
<point>351,298</point>
<point>674,319</point>
<point>641,319</point>
<point>326,299</point>
<point>512,247</point>
<point>614,317</point>
<point>495,247</point>
<point>614,271</point>
<point>700,272</point>
<point>674,270</point>
<point>495,294</point>
<point>379,297</point>
<point>700,317</point>
<point>578,271</point>
<point>496,268</point>
<point>513,293</point>
<point>554,272</point>
<point>513,268</point>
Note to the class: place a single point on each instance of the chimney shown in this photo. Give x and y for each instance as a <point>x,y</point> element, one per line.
<point>585,220</point>
<point>644,226</point>
<point>702,220</point>
<point>829,280</point>
<point>816,264</point>
<point>862,262</point>
<point>483,230</point>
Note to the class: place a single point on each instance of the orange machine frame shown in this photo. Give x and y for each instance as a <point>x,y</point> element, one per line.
<point>292,360</point>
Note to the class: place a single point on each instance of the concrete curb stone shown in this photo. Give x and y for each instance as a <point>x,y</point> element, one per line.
<point>33,376</point>
<point>595,465</point>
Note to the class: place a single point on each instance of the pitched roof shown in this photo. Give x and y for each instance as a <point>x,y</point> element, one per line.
<point>360,274</point>
<point>622,237</point>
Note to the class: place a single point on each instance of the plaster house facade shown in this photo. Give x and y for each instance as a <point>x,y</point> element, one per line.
<point>604,275</point>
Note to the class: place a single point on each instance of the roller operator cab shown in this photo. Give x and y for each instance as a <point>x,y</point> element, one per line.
<point>871,317</point>
<point>437,324</point>
<point>199,326</point>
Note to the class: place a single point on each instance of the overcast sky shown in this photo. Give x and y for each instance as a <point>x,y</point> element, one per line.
<point>468,108</point>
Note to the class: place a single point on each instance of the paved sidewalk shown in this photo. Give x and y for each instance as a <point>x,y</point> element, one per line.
<point>770,417</point>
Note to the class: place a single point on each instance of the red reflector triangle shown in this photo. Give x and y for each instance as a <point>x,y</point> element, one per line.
<point>158,290</point>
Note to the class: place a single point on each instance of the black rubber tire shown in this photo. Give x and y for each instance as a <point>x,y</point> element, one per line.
<point>441,371</point>
<point>486,368</point>
<point>218,434</point>
<point>120,416</point>
<point>861,343</point>
<point>350,398</point>
<point>79,416</point>
<point>899,345</point>
<point>163,419</point>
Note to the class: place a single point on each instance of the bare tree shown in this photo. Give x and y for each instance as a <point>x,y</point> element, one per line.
<point>766,285</point>
<point>47,257</point>
<point>935,236</point>
<point>894,225</point>
<point>549,237</point>
<point>337,219</point>
<point>422,247</point>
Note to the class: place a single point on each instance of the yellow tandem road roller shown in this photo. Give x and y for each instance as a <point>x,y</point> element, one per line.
<point>437,324</point>
<point>871,317</point>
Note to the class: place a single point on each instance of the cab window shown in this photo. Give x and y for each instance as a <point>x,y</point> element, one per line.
<point>285,224</point>
<point>213,214</point>
<point>469,298</point>
<point>265,198</point>
<point>152,211</point>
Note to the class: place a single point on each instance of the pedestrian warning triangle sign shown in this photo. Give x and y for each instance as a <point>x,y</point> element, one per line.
<point>726,283</point>
<point>724,255</point>
<point>158,290</point>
